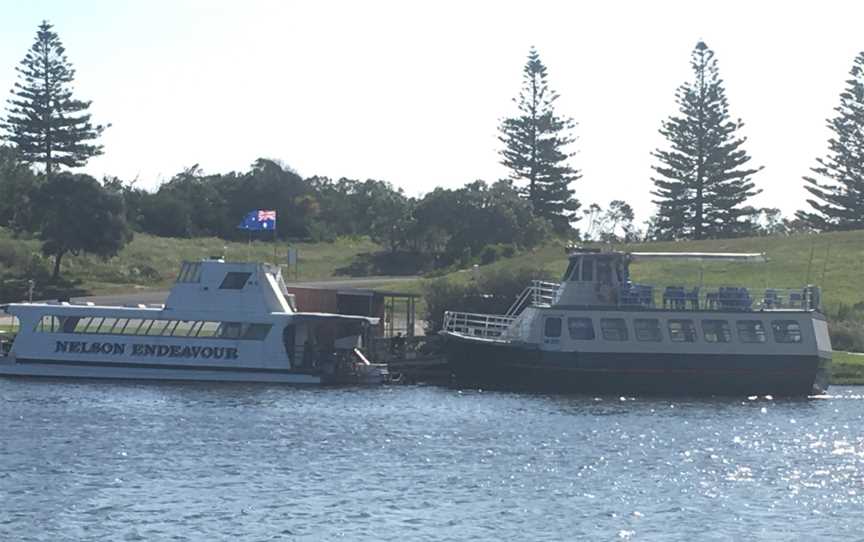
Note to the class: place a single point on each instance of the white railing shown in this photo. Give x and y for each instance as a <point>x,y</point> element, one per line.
<point>477,325</point>
<point>539,293</point>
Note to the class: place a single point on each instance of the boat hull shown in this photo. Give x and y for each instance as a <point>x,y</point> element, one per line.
<point>130,371</point>
<point>521,366</point>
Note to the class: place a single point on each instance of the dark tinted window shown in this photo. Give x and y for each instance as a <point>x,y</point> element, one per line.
<point>786,331</point>
<point>571,268</point>
<point>581,329</point>
<point>553,327</point>
<point>716,331</point>
<point>751,331</point>
<point>682,331</point>
<point>257,331</point>
<point>587,269</point>
<point>234,281</point>
<point>614,329</point>
<point>647,330</point>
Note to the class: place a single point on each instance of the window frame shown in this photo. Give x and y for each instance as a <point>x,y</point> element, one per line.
<point>621,338</point>
<point>658,338</point>
<point>546,321</point>
<point>232,280</point>
<point>744,338</point>
<point>775,331</point>
<point>686,338</point>
<point>570,328</point>
<point>724,338</point>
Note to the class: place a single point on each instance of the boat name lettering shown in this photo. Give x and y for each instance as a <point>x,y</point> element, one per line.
<point>147,350</point>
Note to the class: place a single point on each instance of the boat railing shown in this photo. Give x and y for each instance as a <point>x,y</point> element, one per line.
<point>538,293</point>
<point>732,298</point>
<point>477,325</point>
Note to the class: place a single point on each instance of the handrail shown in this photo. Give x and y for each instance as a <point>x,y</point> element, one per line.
<point>720,298</point>
<point>477,325</point>
<point>538,293</point>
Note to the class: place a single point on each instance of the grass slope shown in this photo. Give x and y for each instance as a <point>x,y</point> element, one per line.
<point>153,262</point>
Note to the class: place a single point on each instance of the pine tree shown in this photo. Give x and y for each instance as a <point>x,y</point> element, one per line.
<point>842,191</point>
<point>534,145</point>
<point>701,181</point>
<point>46,124</point>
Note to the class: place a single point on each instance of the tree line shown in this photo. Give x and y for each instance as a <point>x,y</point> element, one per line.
<point>703,180</point>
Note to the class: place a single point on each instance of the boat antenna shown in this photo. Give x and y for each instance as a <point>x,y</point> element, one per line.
<point>810,261</point>
<point>825,265</point>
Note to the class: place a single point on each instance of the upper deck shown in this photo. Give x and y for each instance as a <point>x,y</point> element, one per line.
<point>602,279</point>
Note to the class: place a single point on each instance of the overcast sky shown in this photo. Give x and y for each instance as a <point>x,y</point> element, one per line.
<point>413,92</point>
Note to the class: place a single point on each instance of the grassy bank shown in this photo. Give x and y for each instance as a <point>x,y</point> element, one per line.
<point>847,368</point>
<point>153,262</point>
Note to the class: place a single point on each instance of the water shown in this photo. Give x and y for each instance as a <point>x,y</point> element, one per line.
<point>135,461</point>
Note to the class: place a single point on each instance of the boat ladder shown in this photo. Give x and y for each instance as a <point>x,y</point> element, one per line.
<point>538,293</point>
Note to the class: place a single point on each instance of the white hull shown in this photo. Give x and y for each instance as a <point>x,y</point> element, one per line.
<point>55,370</point>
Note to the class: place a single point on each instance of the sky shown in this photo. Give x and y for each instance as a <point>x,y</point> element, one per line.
<point>413,92</point>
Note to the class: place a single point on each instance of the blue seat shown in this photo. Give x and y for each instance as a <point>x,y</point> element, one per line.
<point>692,298</point>
<point>734,299</point>
<point>674,297</point>
<point>772,299</point>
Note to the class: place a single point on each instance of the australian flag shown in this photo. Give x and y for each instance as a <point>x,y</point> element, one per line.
<point>259,220</point>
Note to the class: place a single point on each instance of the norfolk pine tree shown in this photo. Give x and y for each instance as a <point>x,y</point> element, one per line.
<point>840,196</point>
<point>47,125</point>
<point>534,145</point>
<point>702,182</point>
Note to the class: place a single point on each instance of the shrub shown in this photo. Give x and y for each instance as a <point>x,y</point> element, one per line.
<point>847,336</point>
<point>493,292</point>
<point>493,253</point>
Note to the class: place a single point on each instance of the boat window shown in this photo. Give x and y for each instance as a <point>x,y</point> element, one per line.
<point>786,331</point>
<point>716,331</point>
<point>552,327</point>
<point>179,329</point>
<point>604,271</point>
<point>231,330</point>
<point>580,329</point>
<point>81,325</point>
<point>208,329</point>
<point>234,281</point>
<point>190,272</point>
<point>93,326</point>
<point>106,325</point>
<point>48,324</point>
<point>13,327</point>
<point>587,269</point>
<point>131,327</point>
<point>682,331</point>
<point>69,323</point>
<point>572,272</point>
<point>614,329</point>
<point>257,332</point>
<point>751,331</point>
<point>647,330</point>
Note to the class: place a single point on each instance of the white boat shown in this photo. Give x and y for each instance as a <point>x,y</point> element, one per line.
<point>222,321</point>
<point>597,332</point>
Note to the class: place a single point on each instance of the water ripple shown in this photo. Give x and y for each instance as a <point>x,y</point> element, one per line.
<point>97,461</point>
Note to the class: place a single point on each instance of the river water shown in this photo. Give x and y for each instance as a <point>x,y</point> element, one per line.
<point>141,461</point>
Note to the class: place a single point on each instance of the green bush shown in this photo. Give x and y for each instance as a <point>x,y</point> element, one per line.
<point>493,253</point>
<point>847,336</point>
<point>491,292</point>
